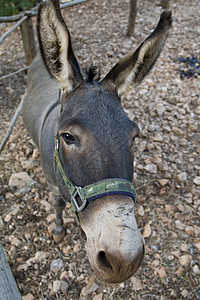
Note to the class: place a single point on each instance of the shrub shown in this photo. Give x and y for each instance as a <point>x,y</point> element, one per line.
<point>12,7</point>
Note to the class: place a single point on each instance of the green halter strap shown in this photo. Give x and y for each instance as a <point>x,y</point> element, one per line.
<point>81,196</point>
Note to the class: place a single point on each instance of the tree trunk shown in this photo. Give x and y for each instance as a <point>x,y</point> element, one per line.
<point>132,17</point>
<point>28,40</point>
<point>164,3</point>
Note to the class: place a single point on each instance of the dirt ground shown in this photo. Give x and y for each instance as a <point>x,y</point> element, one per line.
<point>167,162</point>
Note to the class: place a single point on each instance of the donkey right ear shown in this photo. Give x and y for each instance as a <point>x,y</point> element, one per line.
<point>55,46</point>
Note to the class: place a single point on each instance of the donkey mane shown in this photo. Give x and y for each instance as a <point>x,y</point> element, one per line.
<point>92,74</point>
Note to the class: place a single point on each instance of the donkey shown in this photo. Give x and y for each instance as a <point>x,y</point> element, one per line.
<point>86,140</point>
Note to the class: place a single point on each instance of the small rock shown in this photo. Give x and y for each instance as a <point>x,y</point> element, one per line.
<point>182,177</point>
<point>169,208</point>
<point>141,211</point>
<point>20,180</point>
<point>90,287</point>
<point>196,269</point>
<point>35,153</point>
<point>46,205</point>
<point>151,168</point>
<point>180,225</point>
<point>56,265</point>
<point>160,109</point>
<point>163,182</point>
<point>29,164</point>
<point>66,249</point>
<point>185,259</point>
<point>184,293</point>
<point>189,230</point>
<point>180,272</point>
<point>151,128</point>
<point>29,296</point>
<point>197,245</point>
<point>197,180</point>
<point>60,286</point>
<point>9,196</point>
<point>184,247</point>
<point>13,252</point>
<point>64,276</point>
<point>22,267</point>
<point>158,138</point>
<point>41,256</point>
<point>51,228</point>
<point>136,282</point>
<point>1,223</point>
<point>14,241</point>
<point>162,273</point>
<point>14,209</point>
<point>7,218</point>
<point>155,263</point>
<point>147,231</point>
<point>98,297</point>
<point>50,218</point>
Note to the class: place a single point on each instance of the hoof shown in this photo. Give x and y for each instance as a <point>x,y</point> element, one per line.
<point>58,235</point>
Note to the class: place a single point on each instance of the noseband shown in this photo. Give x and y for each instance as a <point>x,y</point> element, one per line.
<point>80,197</point>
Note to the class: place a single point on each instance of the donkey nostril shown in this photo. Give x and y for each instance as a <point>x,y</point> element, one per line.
<point>103,260</point>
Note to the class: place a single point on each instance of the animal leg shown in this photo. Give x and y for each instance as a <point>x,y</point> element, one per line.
<point>59,230</point>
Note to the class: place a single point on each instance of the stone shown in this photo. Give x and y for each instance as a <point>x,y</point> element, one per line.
<point>14,241</point>
<point>56,265</point>
<point>136,283</point>
<point>151,168</point>
<point>162,273</point>
<point>181,177</point>
<point>197,245</point>
<point>196,269</point>
<point>9,196</point>
<point>60,286</point>
<point>197,180</point>
<point>180,225</point>
<point>180,271</point>
<point>1,223</point>
<point>66,249</point>
<point>163,182</point>
<point>185,259</point>
<point>184,293</point>
<point>160,109</point>
<point>29,164</point>
<point>29,296</point>
<point>98,297</point>
<point>189,230</point>
<point>158,137</point>
<point>20,180</point>
<point>184,247</point>
<point>64,276</point>
<point>41,256</point>
<point>147,231</point>
<point>141,211</point>
<point>90,287</point>
<point>46,205</point>
<point>7,218</point>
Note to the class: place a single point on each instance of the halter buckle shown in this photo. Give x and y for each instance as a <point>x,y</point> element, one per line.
<point>77,198</point>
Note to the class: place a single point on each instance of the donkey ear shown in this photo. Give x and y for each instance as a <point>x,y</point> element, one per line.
<point>55,46</point>
<point>135,66</point>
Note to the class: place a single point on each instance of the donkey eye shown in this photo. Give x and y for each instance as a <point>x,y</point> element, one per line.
<point>68,138</point>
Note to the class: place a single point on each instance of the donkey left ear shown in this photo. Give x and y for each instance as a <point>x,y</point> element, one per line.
<point>56,48</point>
<point>135,66</point>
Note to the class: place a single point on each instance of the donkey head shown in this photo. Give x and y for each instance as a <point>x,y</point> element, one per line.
<point>95,140</point>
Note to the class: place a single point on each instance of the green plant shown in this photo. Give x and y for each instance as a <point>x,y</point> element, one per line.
<point>11,7</point>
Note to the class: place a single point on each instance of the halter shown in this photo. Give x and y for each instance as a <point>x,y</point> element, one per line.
<point>80,197</point>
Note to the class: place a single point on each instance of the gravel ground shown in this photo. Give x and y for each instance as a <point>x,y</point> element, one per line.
<point>166,106</point>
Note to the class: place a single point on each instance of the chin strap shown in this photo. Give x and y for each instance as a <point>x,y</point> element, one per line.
<point>80,197</point>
